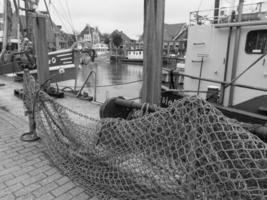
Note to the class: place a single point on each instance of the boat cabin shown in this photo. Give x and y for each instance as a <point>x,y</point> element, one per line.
<point>226,53</point>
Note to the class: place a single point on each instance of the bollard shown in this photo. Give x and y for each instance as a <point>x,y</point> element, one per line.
<point>29,102</point>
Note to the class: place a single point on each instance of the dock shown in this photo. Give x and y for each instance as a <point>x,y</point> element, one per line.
<point>25,170</point>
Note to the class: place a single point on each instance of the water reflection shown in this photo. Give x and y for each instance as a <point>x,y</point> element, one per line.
<point>109,74</point>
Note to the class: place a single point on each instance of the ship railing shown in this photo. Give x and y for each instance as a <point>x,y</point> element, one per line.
<point>250,12</point>
<point>91,73</point>
<point>223,84</point>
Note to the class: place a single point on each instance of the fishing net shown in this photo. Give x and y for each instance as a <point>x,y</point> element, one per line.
<point>189,150</point>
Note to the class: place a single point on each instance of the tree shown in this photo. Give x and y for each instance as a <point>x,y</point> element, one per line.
<point>116,39</point>
<point>106,38</point>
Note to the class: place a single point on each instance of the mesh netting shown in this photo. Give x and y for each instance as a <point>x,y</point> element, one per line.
<point>189,150</point>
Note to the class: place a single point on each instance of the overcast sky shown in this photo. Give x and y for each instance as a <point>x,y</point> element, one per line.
<point>125,15</point>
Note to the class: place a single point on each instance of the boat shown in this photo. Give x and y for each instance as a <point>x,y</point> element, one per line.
<point>226,59</point>
<point>100,48</point>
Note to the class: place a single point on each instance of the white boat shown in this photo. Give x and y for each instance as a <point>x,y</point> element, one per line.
<point>135,54</point>
<point>100,48</point>
<point>225,60</point>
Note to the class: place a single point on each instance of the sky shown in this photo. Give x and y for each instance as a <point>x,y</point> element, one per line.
<point>124,15</point>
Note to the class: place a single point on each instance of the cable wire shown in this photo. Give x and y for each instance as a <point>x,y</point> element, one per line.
<point>59,16</point>
<point>67,17</point>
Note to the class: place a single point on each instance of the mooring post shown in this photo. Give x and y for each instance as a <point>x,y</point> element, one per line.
<point>41,48</point>
<point>41,51</point>
<point>29,102</point>
<point>153,41</point>
<point>76,55</point>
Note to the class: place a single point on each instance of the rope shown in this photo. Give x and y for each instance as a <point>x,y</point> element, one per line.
<point>99,86</point>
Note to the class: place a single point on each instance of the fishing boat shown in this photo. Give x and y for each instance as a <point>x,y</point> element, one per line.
<point>18,53</point>
<point>226,59</point>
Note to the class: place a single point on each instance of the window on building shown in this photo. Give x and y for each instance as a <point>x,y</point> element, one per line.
<point>256,42</point>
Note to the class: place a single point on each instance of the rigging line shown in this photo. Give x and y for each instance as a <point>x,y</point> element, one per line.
<point>68,7</point>
<point>65,18</point>
<point>62,19</point>
<point>66,15</point>
<point>200,4</point>
<point>50,18</point>
<point>59,17</point>
<point>66,11</point>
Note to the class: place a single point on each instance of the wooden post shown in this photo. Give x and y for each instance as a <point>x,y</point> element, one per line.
<point>76,63</point>
<point>153,41</point>
<point>41,49</point>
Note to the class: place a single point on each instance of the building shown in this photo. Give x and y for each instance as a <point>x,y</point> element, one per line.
<point>63,40</point>
<point>56,38</point>
<point>89,36</point>
<point>181,39</point>
<point>174,38</point>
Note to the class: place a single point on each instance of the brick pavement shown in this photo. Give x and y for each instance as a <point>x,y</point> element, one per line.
<point>25,171</point>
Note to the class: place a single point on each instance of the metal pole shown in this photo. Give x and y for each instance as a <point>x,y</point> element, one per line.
<point>216,11</point>
<point>226,60</point>
<point>236,51</point>
<point>200,75</point>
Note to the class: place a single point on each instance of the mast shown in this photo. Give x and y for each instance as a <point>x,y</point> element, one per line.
<point>153,41</point>
<point>29,20</point>
<point>20,26</point>
<point>216,11</point>
<point>5,32</point>
<point>236,51</point>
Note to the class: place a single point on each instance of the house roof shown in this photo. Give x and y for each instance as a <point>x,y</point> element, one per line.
<point>182,35</point>
<point>88,29</point>
<point>171,30</point>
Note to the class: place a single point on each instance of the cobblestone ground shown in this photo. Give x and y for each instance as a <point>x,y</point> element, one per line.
<point>25,171</point>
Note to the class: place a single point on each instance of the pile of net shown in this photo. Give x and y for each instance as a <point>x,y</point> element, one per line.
<point>189,150</point>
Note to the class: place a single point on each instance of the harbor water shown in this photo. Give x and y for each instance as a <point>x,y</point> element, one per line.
<point>112,79</point>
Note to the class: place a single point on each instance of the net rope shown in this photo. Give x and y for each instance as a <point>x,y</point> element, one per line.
<point>189,150</point>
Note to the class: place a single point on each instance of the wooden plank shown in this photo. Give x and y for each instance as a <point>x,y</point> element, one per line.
<point>153,41</point>
<point>41,49</point>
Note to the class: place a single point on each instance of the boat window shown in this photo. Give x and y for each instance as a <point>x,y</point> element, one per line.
<point>256,42</point>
